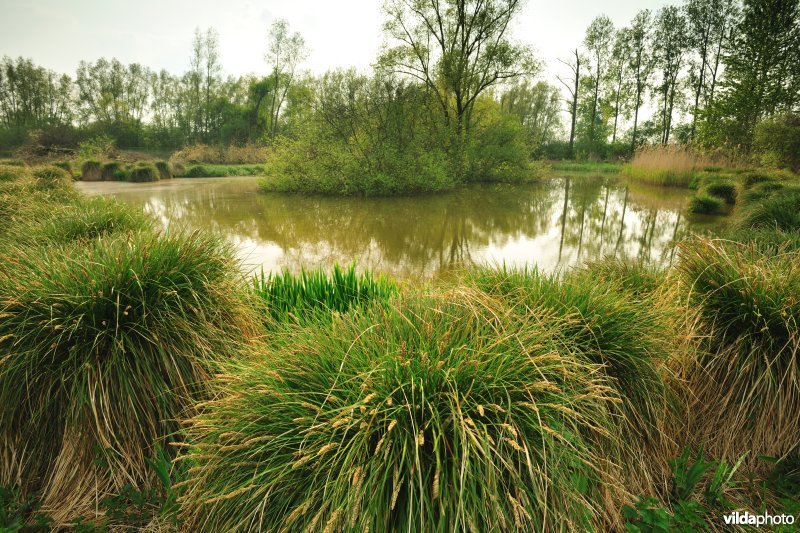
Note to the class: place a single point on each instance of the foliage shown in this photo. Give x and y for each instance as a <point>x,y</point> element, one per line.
<point>164,170</point>
<point>297,298</point>
<point>103,346</point>
<point>697,498</point>
<point>436,411</point>
<point>776,141</point>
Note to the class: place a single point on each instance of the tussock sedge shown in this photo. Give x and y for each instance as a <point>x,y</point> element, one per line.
<point>746,307</point>
<point>103,347</point>
<point>434,413</point>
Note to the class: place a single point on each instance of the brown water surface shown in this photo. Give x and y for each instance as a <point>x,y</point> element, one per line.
<point>563,221</point>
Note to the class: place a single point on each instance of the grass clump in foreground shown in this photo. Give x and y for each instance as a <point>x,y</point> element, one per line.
<point>80,220</point>
<point>296,298</point>
<point>104,346</point>
<point>747,305</point>
<point>439,412</point>
<point>602,324</point>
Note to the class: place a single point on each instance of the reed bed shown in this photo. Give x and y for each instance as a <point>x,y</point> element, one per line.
<point>434,413</point>
<point>298,298</point>
<point>668,166</point>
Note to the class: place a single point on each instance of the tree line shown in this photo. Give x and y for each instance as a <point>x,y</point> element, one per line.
<point>709,71</point>
<point>451,76</point>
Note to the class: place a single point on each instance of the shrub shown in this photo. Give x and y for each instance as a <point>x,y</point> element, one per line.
<point>143,173</point>
<point>434,413</point>
<point>776,140</point>
<point>602,324</point>
<point>704,204</point>
<point>290,297</point>
<point>775,212</point>
<point>110,169</point>
<point>722,189</point>
<point>103,347</point>
<point>164,170</point>
<point>91,171</point>
<point>746,306</point>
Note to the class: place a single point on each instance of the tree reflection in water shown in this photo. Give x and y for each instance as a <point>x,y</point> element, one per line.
<point>560,222</point>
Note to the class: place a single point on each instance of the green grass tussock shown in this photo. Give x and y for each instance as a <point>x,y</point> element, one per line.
<point>143,173</point>
<point>705,204</point>
<point>636,277</point>
<point>91,171</point>
<point>103,347</point>
<point>602,324</point>
<point>725,190</point>
<point>747,305</point>
<point>51,178</point>
<point>164,170</point>
<point>9,173</point>
<point>109,170</point>
<point>297,298</point>
<point>81,220</point>
<point>438,413</point>
<point>780,210</point>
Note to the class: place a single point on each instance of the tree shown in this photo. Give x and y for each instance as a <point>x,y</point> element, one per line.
<point>457,48</point>
<point>640,63</point>
<point>574,91</point>
<point>618,74</point>
<point>598,41</point>
<point>709,26</point>
<point>285,52</point>
<point>536,107</point>
<point>669,53</point>
<point>760,79</point>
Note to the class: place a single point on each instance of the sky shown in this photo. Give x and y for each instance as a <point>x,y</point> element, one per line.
<point>58,34</point>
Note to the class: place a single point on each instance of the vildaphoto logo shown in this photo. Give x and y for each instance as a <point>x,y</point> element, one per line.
<point>765,519</point>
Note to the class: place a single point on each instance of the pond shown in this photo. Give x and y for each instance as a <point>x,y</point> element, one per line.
<point>562,221</point>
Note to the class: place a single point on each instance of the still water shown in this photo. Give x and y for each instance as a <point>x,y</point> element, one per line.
<point>564,221</point>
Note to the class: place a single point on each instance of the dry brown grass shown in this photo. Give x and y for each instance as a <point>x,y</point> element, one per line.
<point>671,166</point>
<point>225,155</point>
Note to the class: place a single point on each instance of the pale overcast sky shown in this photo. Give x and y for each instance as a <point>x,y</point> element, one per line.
<point>59,33</point>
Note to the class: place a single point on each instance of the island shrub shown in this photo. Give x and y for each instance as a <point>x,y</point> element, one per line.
<point>725,190</point>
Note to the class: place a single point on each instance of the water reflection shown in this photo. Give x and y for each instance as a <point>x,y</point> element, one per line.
<point>564,221</point>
